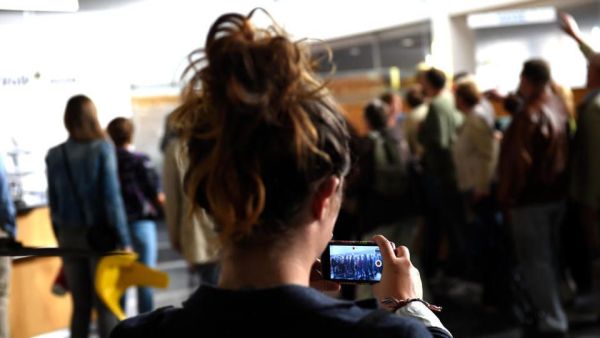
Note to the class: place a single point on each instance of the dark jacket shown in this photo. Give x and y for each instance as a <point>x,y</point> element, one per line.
<point>285,311</point>
<point>384,182</point>
<point>534,155</point>
<point>585,170</point>
<point>139,185</point>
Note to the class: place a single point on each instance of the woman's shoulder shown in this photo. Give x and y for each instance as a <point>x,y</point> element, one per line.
<point>97,145</point>
<point>102,145</point>
<point>151,324</point>
<point>141,157</point>
<point>53,151</point>
<point>347,321</point>
<point>101,148</point>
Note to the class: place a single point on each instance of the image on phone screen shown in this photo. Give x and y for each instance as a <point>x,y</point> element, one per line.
<point>353,262</point>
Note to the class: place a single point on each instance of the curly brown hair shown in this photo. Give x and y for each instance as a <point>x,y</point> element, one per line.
<point>261,130</point>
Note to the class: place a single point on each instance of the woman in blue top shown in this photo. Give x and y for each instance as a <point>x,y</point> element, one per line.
<point>83,188</point>
<point>268,153</point>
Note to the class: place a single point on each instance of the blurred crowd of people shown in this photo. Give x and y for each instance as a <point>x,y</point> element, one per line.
<point>499,189</point>
<point>512,206</point>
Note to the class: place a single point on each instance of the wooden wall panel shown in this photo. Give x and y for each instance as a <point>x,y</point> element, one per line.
<point>354,92</point>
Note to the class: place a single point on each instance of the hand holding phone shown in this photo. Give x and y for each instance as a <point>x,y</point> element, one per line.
<point>317,281</point>
<point>400,279</point>
<point>377,262</point>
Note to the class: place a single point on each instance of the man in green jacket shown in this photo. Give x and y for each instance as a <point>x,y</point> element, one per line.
<point>443,216</point>
<point>439,129</point>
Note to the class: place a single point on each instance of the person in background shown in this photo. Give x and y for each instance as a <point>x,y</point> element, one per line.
<point>584,183</point>
<point>394,101</point>
<point>476,150</point>
<point>7,229</point>
<point>83,187</point>
<point>268,151</point>
<point>485,109</point>
<point>476,158</point>
<point>570,26</point>
<point>585,171</point>
<point>384,181</point>
<point>415,101</point>
<point>396,120</point>
<point>532,187</point>
<point>192,235</point>
<point>443,209</point>
<point>140,188</point>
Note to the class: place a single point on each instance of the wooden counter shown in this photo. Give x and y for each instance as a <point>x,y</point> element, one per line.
<point>33,309</point>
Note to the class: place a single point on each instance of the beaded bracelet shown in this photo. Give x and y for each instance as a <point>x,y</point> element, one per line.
<point>395,304</point>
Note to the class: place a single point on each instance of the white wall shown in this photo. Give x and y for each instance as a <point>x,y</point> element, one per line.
<point>103,51</point>
<point>150,39</point>
<point>463,42</point>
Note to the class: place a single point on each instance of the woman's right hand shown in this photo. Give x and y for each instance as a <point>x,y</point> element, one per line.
<point>400,279</point>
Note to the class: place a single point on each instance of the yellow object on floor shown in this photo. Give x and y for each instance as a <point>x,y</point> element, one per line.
<point>116,273</point>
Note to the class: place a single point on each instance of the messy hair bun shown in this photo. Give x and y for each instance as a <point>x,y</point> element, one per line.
<point>260,128</point>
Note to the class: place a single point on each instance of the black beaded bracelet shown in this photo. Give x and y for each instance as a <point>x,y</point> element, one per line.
<point>395,304</point>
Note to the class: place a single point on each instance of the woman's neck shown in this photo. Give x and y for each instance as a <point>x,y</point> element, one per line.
<point>263,268</point>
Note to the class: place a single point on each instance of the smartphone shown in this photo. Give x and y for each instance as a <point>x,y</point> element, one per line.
<point>354,262</point>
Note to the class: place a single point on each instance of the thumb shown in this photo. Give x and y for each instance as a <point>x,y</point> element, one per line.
<point>387,250</point>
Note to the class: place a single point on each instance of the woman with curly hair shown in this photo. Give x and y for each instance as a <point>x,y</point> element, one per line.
<point>268,151</point>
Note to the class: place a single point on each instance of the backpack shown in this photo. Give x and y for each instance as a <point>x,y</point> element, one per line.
<point>390,173</point>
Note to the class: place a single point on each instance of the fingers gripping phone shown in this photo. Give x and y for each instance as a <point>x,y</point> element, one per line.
<point>352,262</point>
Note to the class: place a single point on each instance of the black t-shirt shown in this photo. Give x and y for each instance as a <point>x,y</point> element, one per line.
<point>286,311</point>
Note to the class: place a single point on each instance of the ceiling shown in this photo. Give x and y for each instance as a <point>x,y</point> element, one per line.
<point>308,18</point>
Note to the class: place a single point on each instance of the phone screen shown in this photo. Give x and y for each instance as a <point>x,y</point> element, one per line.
<point>353,262</point>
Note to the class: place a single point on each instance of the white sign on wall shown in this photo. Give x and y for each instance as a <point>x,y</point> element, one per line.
<point>512,17</point>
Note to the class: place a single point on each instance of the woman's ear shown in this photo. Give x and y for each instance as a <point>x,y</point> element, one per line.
<point>324,196</point>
